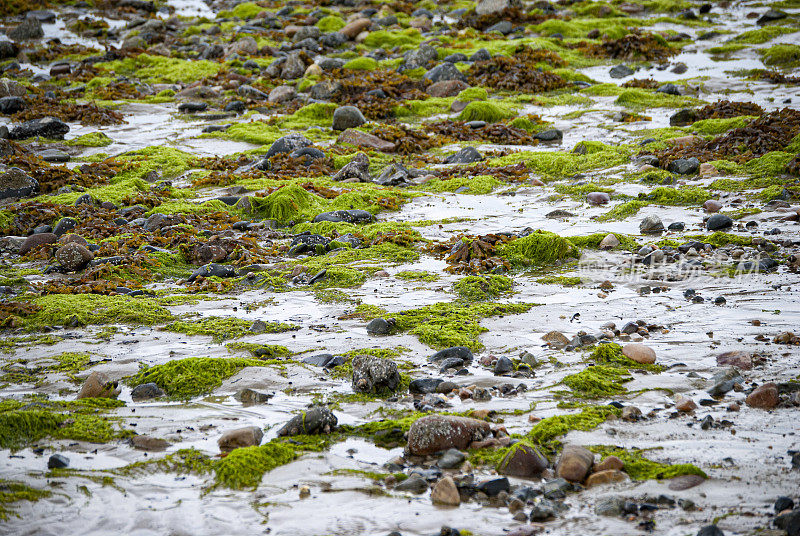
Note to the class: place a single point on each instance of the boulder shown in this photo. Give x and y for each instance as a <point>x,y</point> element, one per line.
<point>15,183</point>
<point>317,420</point>
<point>97,385</point>
<point>347,117</point>
<point>574,463</point>
<point>523,461</point>
<point>374,374</point>
<point>249,436</point>
<point>435,433</point>
<point>764,396</point>
<point>445,493</point>
<point>45,127</point>
<point>364,139</point>
<point>639,353</point>
<point>73,256</point>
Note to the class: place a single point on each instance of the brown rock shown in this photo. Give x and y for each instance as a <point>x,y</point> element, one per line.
<point>608,464</point>
<point>707,170</point>
<point>639,353</point>
<point>441,432</point>
<point>152,444</point>
<point>523,462</point>
<point>352,29</point>
<point>597,198</point>
<point>363,139</point>
<point>445,492</point>
<point>446,88</point>
<point>683,141</point>
<point>764,397</point>
<point>683,482</point>
<point>609,242</point>
<point>555,339</point>
<point>97,385</point>
<point>574,463</point>
<point>631,414</point>
<point>73,238</point>
<point>457,106</point>
<point>712,205</point>
<point>242,437</point>
<point>685,404</point>
<point>605,477</point>
<point>73,256</point>
<point>197,92</point>
<point>34,241</point>
<point>739,359</point>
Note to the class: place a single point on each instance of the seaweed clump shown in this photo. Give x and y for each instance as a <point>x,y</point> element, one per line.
<point>475,254</point>
<point>597,382</point>
<point>477,288</point>
<point>538,248</point>
<point>12,492</point>
<point>640,468</point>
<point>518,73</point>
<point>589,418</point>
<point>632,47</point>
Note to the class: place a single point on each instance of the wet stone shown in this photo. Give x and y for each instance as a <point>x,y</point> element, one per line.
<point>318,420</point>
<point>413,484</point>
<point>146,391</point>
<point>57,461</point>
<point>374,374</point>
<point>718,221</point>
<point>379,326</point>
<point>451,459</point>
<point>346,117</point>
<point>574,463</point>
<point>620,71</point>
<point>467,155</point>
<point>439,432</point>
<point>424,385</point>
<point>97,385</point>
<point>47,127</point>
<point>242,437</point>
<point>16,183</point>
<point>460,352</point>
<point>348,216</point>
<point>251,397</point>
<point>684,482</point>
<point>610,506</point>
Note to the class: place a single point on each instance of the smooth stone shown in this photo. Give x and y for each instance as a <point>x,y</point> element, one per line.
<point>451,459</point>
<point>73,256</point>
<point>764,396</point>
<point>609,463</point>
<point>379,326</point>
<point>493,487</point>
<point>97,385</point>
<point>348,216</point>
<point>444,71</point>
<point>435,433</point>
<point>609,506</point>
<point>16,183</point>
<point>651,225</point>
<point>424,385</point>
<point>598,198</point>
<point>684,482</point>
<point>467,155</point>
<point>737,358</point>
<point>718,221</point>
<point>413,484</point>
<point>574,463</point>
<point>710,530</point>
<point>639,353</point>
<point>446,88</point>
<point>45,127</point>
<point>445,493</point>
<point>146,391</point>
<point>364,139</point>
<point>249,436</point>
<point>345,117</point>
<point>523,461</point>
<point>461,352</point>
<point>551,134</point>
<point>610,241</point>
<point>608,476</point>
<point>620,71</point>
<point>57,461</point>
<point>684,166</point>
<point>251,397</point>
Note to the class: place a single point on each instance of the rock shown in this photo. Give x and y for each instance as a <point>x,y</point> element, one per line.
<point>348,216</point>
<point>379,326</point>
<point>447,88</point>
<point>36,240</point>
<point>282,94</point>
<point>712,205</point>
<point>197,92</point>
<point>413,484</point>
<point>460,352</point>
<point>771,16</point>
<point>651,225</point>
<point>445,493</point>
<point>8,50</point>
<point>610,241</point>
<point>374,374</point>
<point>631,414</point>
<point>451,459</point>
<point>46,127</point>
<point>414,59</point>
<point>555,339</point>
<point>347,117</point>
<point>249,92</point>
<point>545,510</point>
<point>16,183</point>
<point>467,155</point>
<point>249,436</point>
<point>493,487</point>
<point>718,221</point>
<point>609,506</point>
<point>684,482</point>
<point>434,433</point>
<point>11,88</point>
<point>489,7</point>
<point>73,257</point>
<point>639,353</point>
<point>707,171</point>
<point>294,67</point>
<point>424,385</point>
<point>363,139</point>
<point>685,405</point>
<point>684,166</point>
<point>783,503</point>
<point>395,174</point>
<point>552,134</point>
<point>357,168</point>
<point>287,144</point>
<point>213,270</point>
<point>669,89</point>
<point>54,155</point>
<point>192,107</point>
<point>523,461</point>
<point>503,366</point>
<point>251,397</point>
<point>57,461</point>
<point>710,530</point>
<point>444,71</point>
<point>317,420</point>
<point>620,71</point>
<point>764,396</point>
<point>146,391</point>
<point>29,29</point>
<point>598,198</point>
<point>11,105</point>
<point>609,463</point>
<point>609,476</point>
<point>574,463</point>
<point>352,29</point>
<point>737,358</point>
<point>152,444</point>
<point>97,385</point>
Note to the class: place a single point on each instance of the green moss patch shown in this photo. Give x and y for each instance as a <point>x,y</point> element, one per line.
<point>482,287</point>
<point>221,328</point>
<point>640,468</point>
<point>538,248</point>
<point>611,354</point>
<point>93,139</point>
<point>589,418</point>
<point>86,309</point>
<point>13,492</point>
<point>598,381</point>
<point>160,69</point>
<point>488,111</point>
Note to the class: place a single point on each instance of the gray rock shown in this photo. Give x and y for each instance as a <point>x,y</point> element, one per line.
<point>444,71</point>
<point>146,391</point>
<point>325,90</point>
<point>545,509</point>
<point>395,174</point>
<point>293,67</point>
<point>348,216</point>
<point>54,155</point>
<point>710,530</point>
<point>481,55</point>
<point>374,375</point>
<point>251,397</point>
<point>282,94</point>
<point>523,462</point>
<point>504,27</point>
<point>249,92</point>
<point>718,221</point>
<point>488,7</point>
<point>771,16</point>
<point>651,225</point>
<point>213,270</point>
<point>16,183</point>
<point>357,168</point>
<point>57,461</point>
<point>46,127</point>
<point>503,366</point>
<point>11,105</point>
<point>451,459</point>
<point>379,326</point>
<point>552,134</point>
<point>669,89</point>
<point>684,166</point>
<point>11,88</point>
<point>8,49</point>
<point>620,71</point>
<point>29,29</point>
<point>318,420</point>
<point>347,117</point>
<point>286,144</point>
<point>683,118</point>
<point>467,155</point>
<point>556,488</point>
<point>610,506</point>
<point>413,484</point>
<point>73,257</point>
<point>421,57</point>
<point>425,385</point>
<point>461,352</point>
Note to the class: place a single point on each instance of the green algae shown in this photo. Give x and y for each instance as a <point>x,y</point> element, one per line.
<point>472,94</point>
<point>417,275</point>
<point>599,381</point>
<point>623,210</point>
<point>92,139</point>
<point>245,10</point>
<point>580,191</point>
<point>410,37</point>
<point>762,35</point>
<point>256,132</point>
<point>244,467</point>
<point>488,111</point>
<point>562,280</point>
<point>310,115</point>
<point>538,248</point>
<point>287,203</point>
<point>187,378</point>
<point>13,492</point>
<point>445,324</point>
<point>720,239</point>
<point>160,69</point>
<point>589,418</point>
<point>424,108</point>
<point>728,48</point>
<point>593,241</point>
<point>781,55</point>
<point>475,288</point>
<point>6,221</point>
<point>713,127</point>
<point>361,64</point>
<point>686,195</point>
<point>640,468</point>
<point>330,23</point>
<point>477,185</point>
<point>611,354</point>
<point>86,309</point>
<point>266,351</point>
<point>642,99</point>
<point>221,328</point>
<point>552,164</point>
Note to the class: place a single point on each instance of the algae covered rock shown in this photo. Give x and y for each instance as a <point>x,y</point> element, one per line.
<point>97,385</point>
<point>374,375</point>
<point>46,127</point>
<point>523,461</point>
<point>17,183</point>
<point>317,420</point>
<point>441,432</point>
